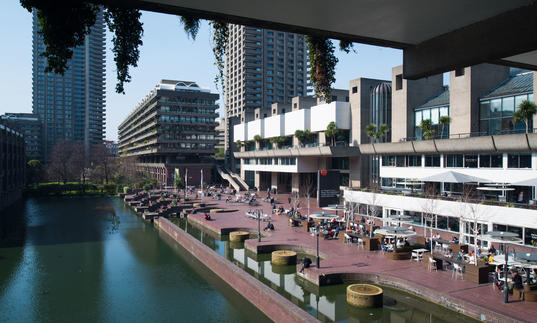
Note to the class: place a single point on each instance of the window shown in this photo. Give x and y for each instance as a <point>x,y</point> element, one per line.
<point>414,161</point>
<point>494,161</point>
<point>388,160</point>
<point>354,89</point>
<point>519,160</point>
<point>432,161</point>
<point>453,161</point>
<point>470,161</point>
<point>399,82</point>
<point>400,161</point>
<point>459,72</point>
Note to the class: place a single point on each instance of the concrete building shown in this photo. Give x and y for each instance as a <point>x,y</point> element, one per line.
<point>220,131</point>
<point>263,66</point>
<point>12,165</point>
<point>478,169</point>
<point>31,127</point>
<point>112,147</point>
<point>71,106</point>
<point>171,130</point>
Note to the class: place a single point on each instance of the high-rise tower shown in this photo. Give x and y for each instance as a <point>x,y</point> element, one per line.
<point>262,67</point>
<point>71,106</point>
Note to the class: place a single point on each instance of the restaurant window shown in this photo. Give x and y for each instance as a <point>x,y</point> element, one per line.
<point>453,161</point>
<point>400,161</point>
<point>519,160</point>
<point>441,222</point>
<point>387,182</point>
<point>491,161</point>
<point>388,160</point>
<point>453,224</point>
<point>414,161</point>
<point>432,161</point>
<point>470,161</point>
<point>530,236</point>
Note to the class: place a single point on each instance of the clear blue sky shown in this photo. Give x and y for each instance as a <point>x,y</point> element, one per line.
<point>166,53</point>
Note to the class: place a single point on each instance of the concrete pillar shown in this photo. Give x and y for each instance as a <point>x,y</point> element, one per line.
<point>322,139</point>
<point>257,179</point>
<point>535,97</point>
<point>274,180</point>
<point>355,176</point>
<point>295,183</point>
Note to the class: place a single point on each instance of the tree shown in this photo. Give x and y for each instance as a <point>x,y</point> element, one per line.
<point>428,208</point>
<point>239,144</point>
<point>371,130</point>
<point>427,130</point>
<point>307,187</point>
<point>304,137</point>
<point>444,121</point>
<point>257,138</point>
<point>525,112</point>
<point>469,214</point>
<point>331,132</point>
<point>178,182</point>
<point>103,164</point>
<point>279,141</point>
<point>322,65</point>
<point>34,171</point>
<point>58,168</point>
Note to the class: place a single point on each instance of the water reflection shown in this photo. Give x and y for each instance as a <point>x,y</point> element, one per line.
<point>72,262</point>
<point>327,303</point>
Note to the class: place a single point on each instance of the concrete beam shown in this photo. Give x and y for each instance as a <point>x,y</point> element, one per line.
<point>491,40</point>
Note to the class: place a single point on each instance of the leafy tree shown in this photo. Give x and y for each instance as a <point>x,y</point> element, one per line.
<point>179,183</point>
<point>239,144</point>
<point>257,138</point>
<point>322,65</point>
<point>376,135</point>
<point>444,121</point>
<point>279,141</point>
<point>427,129</point>
<point>34,172</point>
<point>103,165</point>
<point>221,153</point>
<point>525,111</point>
<point>331,132</point>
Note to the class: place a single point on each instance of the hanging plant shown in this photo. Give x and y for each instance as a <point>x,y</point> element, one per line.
<point>220,38</point>
<point>191,26</point>
<point>322,65</point>
<point>346,46</point>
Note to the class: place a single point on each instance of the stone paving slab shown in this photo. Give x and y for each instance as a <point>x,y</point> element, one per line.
<point>339,258</point>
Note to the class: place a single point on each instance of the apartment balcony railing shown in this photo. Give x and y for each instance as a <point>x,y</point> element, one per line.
<point>473,134</point>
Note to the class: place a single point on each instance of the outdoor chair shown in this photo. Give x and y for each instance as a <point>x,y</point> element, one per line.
<point>348,239</point>
<point>360,243</point>
<point>457,271</point>
<point>432,265</point>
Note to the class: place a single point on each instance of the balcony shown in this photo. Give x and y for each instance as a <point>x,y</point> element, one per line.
<point>341,149</point>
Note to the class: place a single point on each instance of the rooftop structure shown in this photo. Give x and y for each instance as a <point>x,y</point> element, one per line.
<point>31,127</point>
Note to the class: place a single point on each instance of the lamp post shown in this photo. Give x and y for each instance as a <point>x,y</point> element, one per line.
<point>505,287</point>
<point>318,260</point>
<point>259,225</point>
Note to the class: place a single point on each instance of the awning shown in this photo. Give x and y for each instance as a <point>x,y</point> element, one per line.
<point>453,177</point>
<point>527,182</point>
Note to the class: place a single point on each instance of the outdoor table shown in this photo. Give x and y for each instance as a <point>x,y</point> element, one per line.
<point>478,274</point>
<point>417,254</point>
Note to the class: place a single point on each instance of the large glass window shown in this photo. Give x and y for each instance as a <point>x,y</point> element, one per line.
<point>519,160</point>
<point>470,161</point>
<point>414,161</point>
<point>453,161</point>
<point>494,161</point>
<point>530,237</point>
<point>433,114</point>
<point>432,161</point>
<point>496,115</point>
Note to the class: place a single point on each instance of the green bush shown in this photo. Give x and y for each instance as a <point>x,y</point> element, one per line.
<point>147,187</point>
<point>126,189</point>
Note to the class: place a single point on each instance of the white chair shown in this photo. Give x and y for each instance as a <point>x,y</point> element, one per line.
<point>457,270</point>
<point>360,243</point>
<point>432,265</point>
<point>348,239</point>
<point>445,247</point>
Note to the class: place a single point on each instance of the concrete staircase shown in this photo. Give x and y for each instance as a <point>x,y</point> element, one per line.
<point>234,180</point>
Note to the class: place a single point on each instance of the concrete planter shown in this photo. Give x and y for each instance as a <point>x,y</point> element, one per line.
<point>283,257</point>
<point>364,295</point>
<point>238,236</point>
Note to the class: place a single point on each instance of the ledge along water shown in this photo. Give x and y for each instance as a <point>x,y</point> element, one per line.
<point>93,260</point>
<point>327,303</point>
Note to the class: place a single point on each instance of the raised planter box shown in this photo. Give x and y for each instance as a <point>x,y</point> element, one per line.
<point>401,255</point>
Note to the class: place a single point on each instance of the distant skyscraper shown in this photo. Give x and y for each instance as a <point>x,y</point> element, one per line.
<point>262,67</point>
<point>71,106</point>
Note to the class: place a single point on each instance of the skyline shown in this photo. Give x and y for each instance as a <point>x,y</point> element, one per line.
<point>167,53</point>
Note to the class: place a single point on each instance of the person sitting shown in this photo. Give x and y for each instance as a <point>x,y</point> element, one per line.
<point>492,250</point>
<point>455,239</point>
<point>497,278</point>
<point>207,216</point>
<point>362,220</point>
<point>459,256</point>
<point>269,227</point>
<point>407,244</point>
<point>491,258</point>
<point>336,233</point>
<point>478,252</point>
<point>517,281</point>
<point>306,262</point>
<point>449,253</point>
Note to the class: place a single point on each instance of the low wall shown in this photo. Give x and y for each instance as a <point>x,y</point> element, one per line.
<point>428,294</point>
<point>272,304</point>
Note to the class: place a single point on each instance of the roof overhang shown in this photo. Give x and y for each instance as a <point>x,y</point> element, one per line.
<point>435,36</point>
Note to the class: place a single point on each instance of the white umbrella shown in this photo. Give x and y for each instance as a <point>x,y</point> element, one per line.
<point>527,182</point>
<point>453,177</point>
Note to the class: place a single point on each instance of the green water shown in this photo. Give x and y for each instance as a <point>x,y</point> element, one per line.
<point>71,260</point>
<point>326,303</point>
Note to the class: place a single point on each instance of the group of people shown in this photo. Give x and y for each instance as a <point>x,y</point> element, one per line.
<point>389,245</point>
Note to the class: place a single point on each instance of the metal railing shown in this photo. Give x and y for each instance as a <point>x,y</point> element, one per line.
<point>473,134</point>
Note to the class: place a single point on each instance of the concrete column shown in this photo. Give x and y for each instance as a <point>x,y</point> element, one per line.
<point>355,176</point>
<point>322,139</point>
<point>295,182</point>
<point>535,97</point>
<point>274,180</point>
<point>257,179</point>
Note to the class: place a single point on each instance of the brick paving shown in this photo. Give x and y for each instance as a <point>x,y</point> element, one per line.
<point>340,258</point>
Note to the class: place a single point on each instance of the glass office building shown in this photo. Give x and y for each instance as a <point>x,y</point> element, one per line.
<point>71,106</point>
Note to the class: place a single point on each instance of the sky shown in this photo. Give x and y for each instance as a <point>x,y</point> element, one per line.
<point>167,53</point>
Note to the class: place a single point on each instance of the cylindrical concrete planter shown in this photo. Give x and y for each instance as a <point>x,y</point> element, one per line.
<point>283,269</point>
<point>238,236</point>
<point>236,245</point>
<point>284,257</point>
<point>364,295</point>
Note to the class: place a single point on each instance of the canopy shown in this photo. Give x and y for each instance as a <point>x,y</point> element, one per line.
<point>501,237</point>
<point>396,231</point>
<point>453,177</point>
<point>527,182</point>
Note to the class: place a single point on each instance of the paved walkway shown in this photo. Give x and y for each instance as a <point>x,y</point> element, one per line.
<point>339,257</point>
